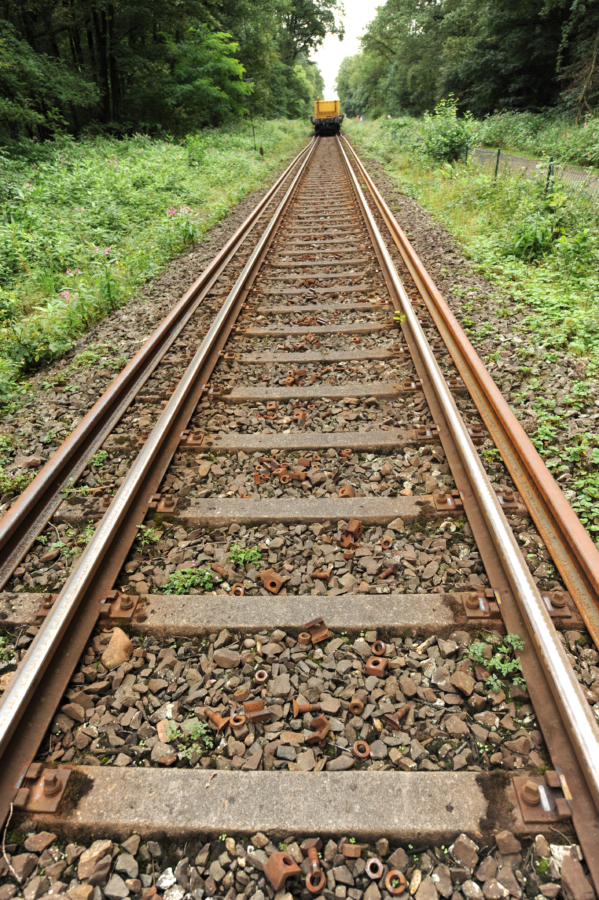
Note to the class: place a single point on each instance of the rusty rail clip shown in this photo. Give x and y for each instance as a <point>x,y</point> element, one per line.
<point>395,719</point>
<point>322,574</point>
<point>448,500</point>
<point>191,440</point>
<point>280,867</point>
<point>48,601</point>
<point>41,790</point>
<point>545,798</point>
<point>117,605</point>
<point>426,432</point>
<point>508,499</point>
<point>255,711</point>
<point>218,720</point>
<point>271,581</point>
<point>411,384</point>
<point>376,665</point>
<point>316,878</point>
<point>317,630</point>
<point>482,605</point>
<point>321,727</point>
<point>557,604</point>
<point>477,435</point>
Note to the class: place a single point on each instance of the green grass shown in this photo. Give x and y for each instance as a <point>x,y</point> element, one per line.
<point>542,135</point>
<point>539,249</point>
<point>86,223</point>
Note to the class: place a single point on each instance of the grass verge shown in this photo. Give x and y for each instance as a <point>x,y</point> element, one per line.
<point>539,248</point>
<point>85,223</point>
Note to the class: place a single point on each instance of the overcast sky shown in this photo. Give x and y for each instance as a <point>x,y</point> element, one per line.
<point>358,13</point>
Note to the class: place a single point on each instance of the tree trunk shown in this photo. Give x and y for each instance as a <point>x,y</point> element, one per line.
<point>100,30</point>
<point>114,77</point>
<point>588,82</point>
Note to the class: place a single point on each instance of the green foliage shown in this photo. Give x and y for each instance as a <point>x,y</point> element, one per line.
<point>502,55</point>
<point>243,555</point>
<point>14,483</point>
<point>162,65</point>
<point>147,536</point>
<point>87,533</point>
<point>200,83</point>
<point>543,135</point>
<point>98,218</point>
<point>6,652</point>
<point>181,581</point>
<point>98,459</point>
<point>447,137</point>
<point>543,866</point>
<point>502,663</point>
<point>37,90</point>
<point>194,739</point>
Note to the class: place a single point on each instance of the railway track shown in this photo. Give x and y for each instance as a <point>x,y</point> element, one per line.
<point>289,616</point>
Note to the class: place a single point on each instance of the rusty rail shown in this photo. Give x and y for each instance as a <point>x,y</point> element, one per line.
<point>576,715</point>
<point>44,673</point>
<point>572,549</point>
<point>27,516</point>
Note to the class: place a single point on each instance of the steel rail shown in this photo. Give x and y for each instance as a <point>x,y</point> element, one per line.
<point>44,646</point>
<point>22,523</point>
<point>573,551</point>
<point>575,711</point>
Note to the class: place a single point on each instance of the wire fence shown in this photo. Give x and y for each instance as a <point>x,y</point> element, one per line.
<point>500,163</point>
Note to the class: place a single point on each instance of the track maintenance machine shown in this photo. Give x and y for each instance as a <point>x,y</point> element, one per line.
<point>327,117</point>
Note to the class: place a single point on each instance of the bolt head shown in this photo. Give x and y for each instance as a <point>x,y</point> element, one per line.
<point>558,599</point>
<point>531,794</point>
<point>472,601</point>
<point>52,784</point>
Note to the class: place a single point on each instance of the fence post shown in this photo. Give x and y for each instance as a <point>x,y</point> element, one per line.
<point>497,162</point>
<point>550,174</point>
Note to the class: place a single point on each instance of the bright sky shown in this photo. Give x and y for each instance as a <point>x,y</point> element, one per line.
<point>358,13</point>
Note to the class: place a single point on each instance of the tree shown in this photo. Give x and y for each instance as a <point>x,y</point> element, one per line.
<point>122,65</point>
<point>37,92</point>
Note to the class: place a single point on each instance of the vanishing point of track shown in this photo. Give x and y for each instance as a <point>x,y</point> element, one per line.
<point>330,279</point>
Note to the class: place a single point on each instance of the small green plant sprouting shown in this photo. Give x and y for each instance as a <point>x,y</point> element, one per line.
<point>194,739</point>
<point>84,490</point>
<point>398,317</point>
<point>222,837</point>
<point>352,840</point>
<point>98,459</point>
<point>172,730</point>
<point>502,664</point>
<point>6,653</point>
<point>147,535</point>
<point>183,580</point>
<point>543,866</point>
<point>87,533</point>
<point>243,555</point>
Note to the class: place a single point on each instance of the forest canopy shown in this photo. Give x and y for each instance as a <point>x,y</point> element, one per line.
<point>163,66</point>
<point>492,54</point>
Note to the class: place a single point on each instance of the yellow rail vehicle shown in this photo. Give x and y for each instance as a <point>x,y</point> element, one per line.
<point>327,117</point>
